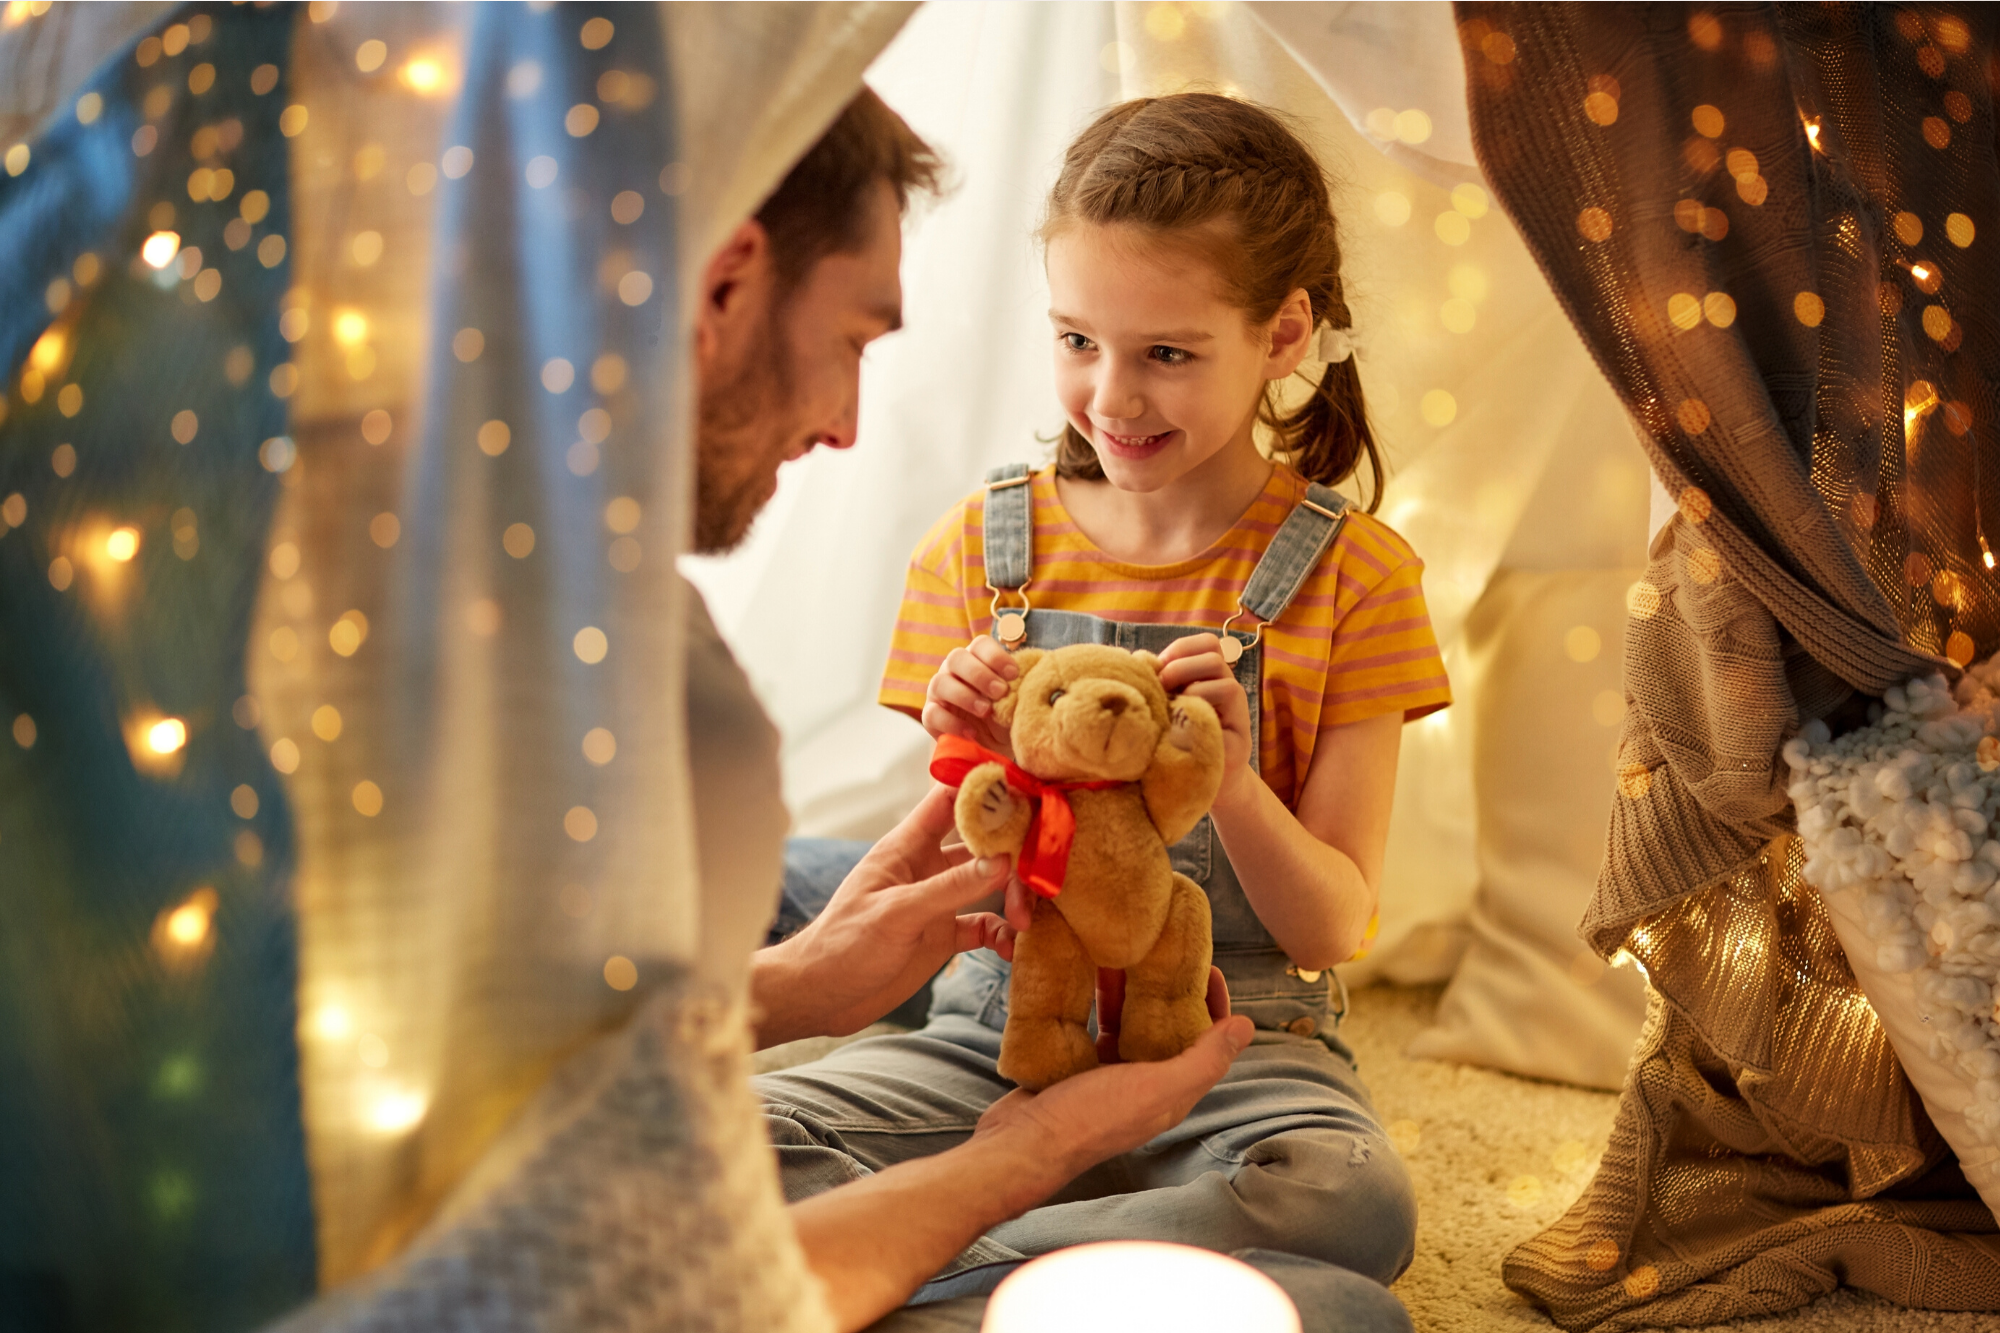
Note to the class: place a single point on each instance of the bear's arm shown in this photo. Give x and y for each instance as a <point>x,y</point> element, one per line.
<point>1186,771</point>
<point>991,818</point>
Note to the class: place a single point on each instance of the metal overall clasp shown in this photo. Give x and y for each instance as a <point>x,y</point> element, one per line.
<point>1232,647</point>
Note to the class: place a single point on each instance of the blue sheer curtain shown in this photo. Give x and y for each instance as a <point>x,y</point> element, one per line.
<point>152,1167</point>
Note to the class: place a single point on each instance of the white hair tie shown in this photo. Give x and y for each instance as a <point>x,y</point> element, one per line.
<point>1332,345</point>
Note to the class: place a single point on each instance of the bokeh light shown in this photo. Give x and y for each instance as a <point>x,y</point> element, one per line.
<point>167,735</point>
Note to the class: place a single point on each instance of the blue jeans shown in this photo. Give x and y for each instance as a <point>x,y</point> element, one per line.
<point>1283,1162</point>
<point>814,868</point>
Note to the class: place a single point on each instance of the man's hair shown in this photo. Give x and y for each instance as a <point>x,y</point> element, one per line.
<point>820,207</point>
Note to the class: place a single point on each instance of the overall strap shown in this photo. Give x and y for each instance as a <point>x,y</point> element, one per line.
<point>1311,528</point>
<point>1009,543</point>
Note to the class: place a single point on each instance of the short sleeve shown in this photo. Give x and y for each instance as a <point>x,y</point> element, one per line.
<point>932,618</point>
<point>1385,655</point>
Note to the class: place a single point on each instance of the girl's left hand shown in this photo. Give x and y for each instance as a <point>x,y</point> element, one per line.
<point>1194,666</point>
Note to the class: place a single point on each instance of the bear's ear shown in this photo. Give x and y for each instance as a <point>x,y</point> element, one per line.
<point>1150,659</point>
<point>1024,658</point>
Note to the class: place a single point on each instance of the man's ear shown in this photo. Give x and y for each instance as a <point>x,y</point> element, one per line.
<point>1003,708</point>
<point>736,288</point>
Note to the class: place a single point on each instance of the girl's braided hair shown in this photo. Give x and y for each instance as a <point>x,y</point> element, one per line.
<point>1228,177</point>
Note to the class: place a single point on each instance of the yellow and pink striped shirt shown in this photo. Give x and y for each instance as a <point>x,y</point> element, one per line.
<point>1355,643</point>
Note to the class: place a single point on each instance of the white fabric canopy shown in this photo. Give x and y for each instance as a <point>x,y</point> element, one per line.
<point>1505,445</point>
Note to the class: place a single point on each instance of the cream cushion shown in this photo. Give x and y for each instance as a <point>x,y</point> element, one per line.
<point>1545,648</point>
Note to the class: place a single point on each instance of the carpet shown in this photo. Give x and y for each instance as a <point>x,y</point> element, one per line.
<point>1495,1159</point>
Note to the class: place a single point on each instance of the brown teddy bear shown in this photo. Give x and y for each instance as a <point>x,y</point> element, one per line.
<point>1108,772</point>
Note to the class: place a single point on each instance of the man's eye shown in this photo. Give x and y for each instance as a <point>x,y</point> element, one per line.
<point>1053,696</point>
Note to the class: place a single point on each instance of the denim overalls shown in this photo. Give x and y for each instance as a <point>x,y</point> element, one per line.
<point>1263,983</point>
<point>1283,1162</point>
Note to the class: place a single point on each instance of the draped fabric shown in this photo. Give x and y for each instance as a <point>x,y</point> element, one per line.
<point>151,1144</point>
<point>493,395</point>
<point>418,915</point>
<point>1766,221</point>
<point>1461,347</point>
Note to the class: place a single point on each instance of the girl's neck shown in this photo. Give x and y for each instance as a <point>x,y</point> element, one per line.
<point>1178,521</point>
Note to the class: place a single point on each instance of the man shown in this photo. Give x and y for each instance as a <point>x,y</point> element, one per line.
<point>787,305</point>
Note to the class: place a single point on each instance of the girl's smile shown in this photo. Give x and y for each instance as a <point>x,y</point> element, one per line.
<point>1132,447</point>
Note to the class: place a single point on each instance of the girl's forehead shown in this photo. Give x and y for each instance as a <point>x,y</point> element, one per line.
<point>1125,279</point>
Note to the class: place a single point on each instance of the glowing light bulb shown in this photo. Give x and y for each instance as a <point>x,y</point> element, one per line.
<point>1812,134</point>
<point>350,327</point>
<point>47,353</point>
<point>332,1022</point>
<point>1920,272</point>
<point>122,545</point>
<point>180,933</point>
<point>423,75</point>
<point>167,735</point>
<point>187,925</point>
<point>1138,1284</point>
<point>160,248</point>
<point>396,1110</point>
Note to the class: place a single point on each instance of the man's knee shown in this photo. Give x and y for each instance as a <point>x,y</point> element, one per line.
<point>1337,1197</point>
<point>811,1157</point>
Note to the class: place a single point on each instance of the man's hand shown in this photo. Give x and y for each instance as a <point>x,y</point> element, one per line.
<point>872,1241</point>
<point>892,924</point>
<point>1096,1115</point>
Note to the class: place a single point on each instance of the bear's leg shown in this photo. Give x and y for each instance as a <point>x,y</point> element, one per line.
<point>1166,993</point>
<point>1048,1003</point>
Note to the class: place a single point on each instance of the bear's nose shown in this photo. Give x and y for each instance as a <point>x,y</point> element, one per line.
<point>1113,704</point>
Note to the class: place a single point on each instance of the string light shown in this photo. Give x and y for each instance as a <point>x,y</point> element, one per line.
<point>167,735</point>
<point>187,925</point>
<point>396,1110</point>
<point>424,75</point>
<point>1922,397</point>
<point>160,248</point>
<point>183,933</point>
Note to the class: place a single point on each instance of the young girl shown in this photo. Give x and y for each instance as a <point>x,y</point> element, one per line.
<point>1194,270</point>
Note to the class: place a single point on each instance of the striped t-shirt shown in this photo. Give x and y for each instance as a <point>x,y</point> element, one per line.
<point>1355,643</point>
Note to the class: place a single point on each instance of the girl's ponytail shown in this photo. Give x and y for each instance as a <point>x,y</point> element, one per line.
<point>1180,164</point>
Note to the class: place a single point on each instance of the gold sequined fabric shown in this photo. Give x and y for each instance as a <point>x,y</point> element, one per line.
<point>1770,225</point>
<point>1768,1147</point>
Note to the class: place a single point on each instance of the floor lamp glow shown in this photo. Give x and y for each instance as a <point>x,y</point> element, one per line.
<point>1122,1286</point>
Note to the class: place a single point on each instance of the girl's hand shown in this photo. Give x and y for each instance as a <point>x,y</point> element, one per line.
<point>960,699</point>
<point>1194,666</point>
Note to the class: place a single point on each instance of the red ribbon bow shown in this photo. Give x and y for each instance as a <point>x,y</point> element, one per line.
<point>1051,828</point>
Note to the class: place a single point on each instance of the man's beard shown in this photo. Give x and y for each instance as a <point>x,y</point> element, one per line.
<point>742,431</point>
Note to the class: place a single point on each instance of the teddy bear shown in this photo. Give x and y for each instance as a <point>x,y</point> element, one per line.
<point>1108,772</point>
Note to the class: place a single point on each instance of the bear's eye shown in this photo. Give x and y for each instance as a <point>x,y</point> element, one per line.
<point>1054,695</point>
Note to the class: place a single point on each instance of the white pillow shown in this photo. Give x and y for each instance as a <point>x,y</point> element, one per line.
<point>1898,824</point>
<point>1528,997</point>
